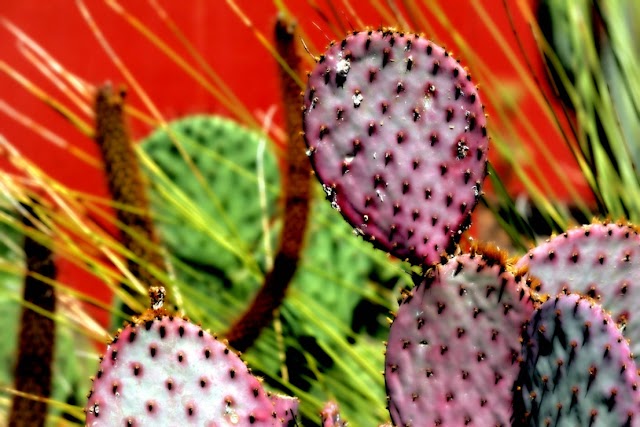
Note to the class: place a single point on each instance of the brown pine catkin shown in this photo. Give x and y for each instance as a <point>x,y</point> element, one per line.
<point>37,335</point>
<point>126,185</point>
<point>296,208</point>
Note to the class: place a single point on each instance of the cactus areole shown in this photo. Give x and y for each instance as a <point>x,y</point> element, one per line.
<point>397,135</point>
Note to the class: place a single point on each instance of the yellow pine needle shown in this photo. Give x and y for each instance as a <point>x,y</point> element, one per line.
<point>386,17</point>
<point>263,40</point>
<point>75,411</point>
<point>56,105</point>
<point>477,63</point>
<point>400,19</point>
<point>232,101</point>
<point>47,134</point>
<point>219,91</point>
<point>137,88</point>
<point>349,8</point>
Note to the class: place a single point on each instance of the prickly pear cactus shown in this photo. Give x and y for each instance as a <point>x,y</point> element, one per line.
<point>226,155</point>
<point>168,371</point>
<point>325,248</point>
<point>396,134</point>
<point>452,348</point>
<point>577,368</point>
<point>598,260</point>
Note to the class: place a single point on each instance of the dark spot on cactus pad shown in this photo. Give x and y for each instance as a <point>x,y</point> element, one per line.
<point>472,122</point>
<point>324,130</point>
<point>449,114</point>
<point>409,63</point>
<point>436,67</point>
<point>386,54</point>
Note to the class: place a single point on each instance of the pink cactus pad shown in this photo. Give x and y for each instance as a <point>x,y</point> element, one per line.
<point>577,368</point>
<point>286,408</point>
<point>598,260</point>
<point>169,372</point>
<point>452,349</point>
<point>331,417</point>
<point>396,134</point>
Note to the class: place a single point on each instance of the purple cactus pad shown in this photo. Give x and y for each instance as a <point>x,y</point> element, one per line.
<point>170,372</point>
<point>576,370</point>
<point>397,135</point>
<point>452,348</point>
<point>601,261</point>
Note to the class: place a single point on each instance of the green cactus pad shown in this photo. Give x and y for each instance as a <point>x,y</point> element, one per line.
<point>225,153</point>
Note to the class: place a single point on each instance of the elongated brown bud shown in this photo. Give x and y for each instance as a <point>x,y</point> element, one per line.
<point>126,185</point>
<point>37,335</point>
<point>296,211</point>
